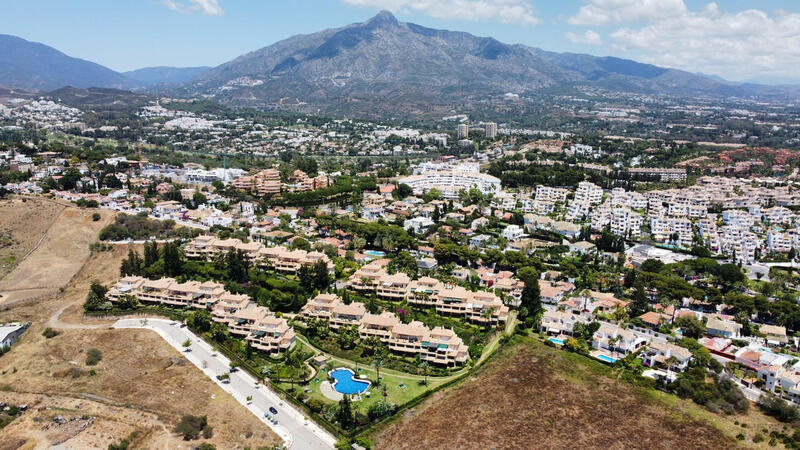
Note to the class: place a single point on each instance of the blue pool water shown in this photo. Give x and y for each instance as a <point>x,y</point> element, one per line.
<point>607,359</point>
<point>375,253</point>
<point>556,341</point>
<point>346,382</point>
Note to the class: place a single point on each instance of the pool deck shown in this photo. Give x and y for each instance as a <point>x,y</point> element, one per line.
<point>327,390</point>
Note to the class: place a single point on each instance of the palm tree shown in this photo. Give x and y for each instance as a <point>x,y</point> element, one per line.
<point>424,366</point>
<point>378,363</point>
<point>671,362</point>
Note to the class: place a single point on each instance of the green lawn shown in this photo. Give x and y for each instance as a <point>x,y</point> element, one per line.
<point>392,380</point>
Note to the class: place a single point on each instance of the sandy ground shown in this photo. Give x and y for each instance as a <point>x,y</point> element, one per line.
<point>141,384</point>
<point>22,224</point>
<point>56,257</point>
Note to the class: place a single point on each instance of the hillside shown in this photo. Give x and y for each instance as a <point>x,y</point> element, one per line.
<point>386,64</point>
<point>98,98</point>
<point>531,393</point>
<point>149,76</point>
<point>34,66</point>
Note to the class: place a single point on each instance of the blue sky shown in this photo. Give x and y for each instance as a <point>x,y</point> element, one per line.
<point>735,39</point>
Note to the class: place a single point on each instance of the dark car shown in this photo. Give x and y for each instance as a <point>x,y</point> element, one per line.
<point>273,410</point>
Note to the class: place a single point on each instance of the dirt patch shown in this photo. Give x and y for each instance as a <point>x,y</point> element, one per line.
<point>59,239</point>
<point>22,225</point>
<point>532,397</point>
<point>138,372</point>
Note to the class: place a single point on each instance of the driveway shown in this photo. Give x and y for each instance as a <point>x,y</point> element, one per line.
<point>293,427</point>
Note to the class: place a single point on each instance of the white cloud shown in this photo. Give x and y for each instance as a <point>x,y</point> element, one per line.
<point>588,38</point>
<point>210,7</point>
<point>736,45</point>
<point>519,12</point>
<point>604,12</point>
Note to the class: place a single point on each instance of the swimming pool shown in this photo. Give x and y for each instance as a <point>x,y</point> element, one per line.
<point>606,358</point>
<point>374,253</point>
<point>556,341</point>
<point>345,382</point>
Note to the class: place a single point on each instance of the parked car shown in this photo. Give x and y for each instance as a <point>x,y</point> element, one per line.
<point>273,410</point>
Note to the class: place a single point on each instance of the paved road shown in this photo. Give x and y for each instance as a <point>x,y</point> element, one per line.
<point>298,431</point>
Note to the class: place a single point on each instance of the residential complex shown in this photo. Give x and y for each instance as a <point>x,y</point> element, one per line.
<point>439,346</point>
<point>453,179</point>
<point>256,324</point>
<point>280,258</point>
<point>477,307</point>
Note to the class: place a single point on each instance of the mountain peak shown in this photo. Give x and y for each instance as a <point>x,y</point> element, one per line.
<point>383,18</point>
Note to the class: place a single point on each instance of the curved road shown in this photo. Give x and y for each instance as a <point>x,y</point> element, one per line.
<point>294,428</point>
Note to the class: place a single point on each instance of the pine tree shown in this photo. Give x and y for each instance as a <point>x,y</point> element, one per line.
<point>531,299</point>
<point>639,304</point>
<point>345,413</point>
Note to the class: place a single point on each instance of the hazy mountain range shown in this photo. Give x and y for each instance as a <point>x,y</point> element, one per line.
<point>378,64</point>
<point>149,76</point>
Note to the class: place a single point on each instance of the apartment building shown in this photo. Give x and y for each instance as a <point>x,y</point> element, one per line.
<point>664,175</point>
<point>280,258</point>
<point>633,200</point>
<point>663,229</point>
<point>782,242</point>
<point>439,346</point>
<point>256,324</point>
<point>551,194</point>
<point>373,278</point>
<point>588,193</point>
<point>462,131</point>
<point>331,308</point>
<point>451,180</point>
<point>490,130</point>
<point>479,307</point>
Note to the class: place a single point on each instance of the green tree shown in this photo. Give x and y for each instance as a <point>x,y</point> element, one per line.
<point>344,415</point>
<point>347,337</point>
<point>172,259</point>
<point>639,303</point>
<point>690,326</point>
<point>237,265</point>
<point>403,190</point>
<point>531,299</point>
<point>652,265</point>
<point>219,332</point>
<point>150,253</point>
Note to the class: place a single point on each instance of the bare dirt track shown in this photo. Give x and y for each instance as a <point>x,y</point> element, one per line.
<point>531,397</point>
<point>140,385</point>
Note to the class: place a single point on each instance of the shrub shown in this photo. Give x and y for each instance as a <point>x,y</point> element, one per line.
<point>190,426</point>
<point>93,356</point>
<point>381,409</point>
<point>50,333</point>
<point>95,217</point>
<point>778,408</point>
